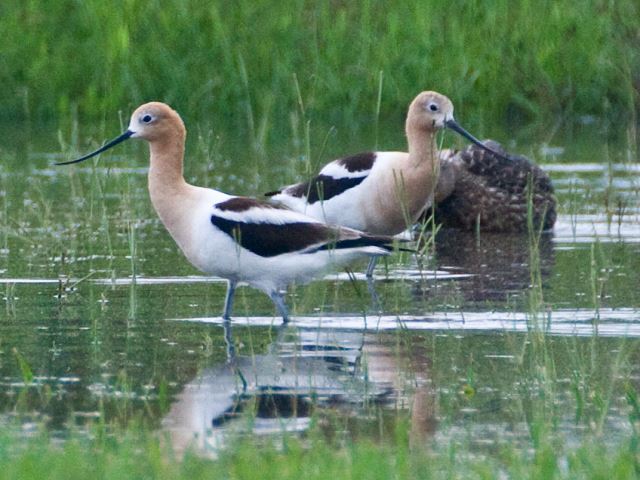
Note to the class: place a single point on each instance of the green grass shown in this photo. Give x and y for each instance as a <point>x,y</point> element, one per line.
<point>144,456</point>
<point>250,63</point>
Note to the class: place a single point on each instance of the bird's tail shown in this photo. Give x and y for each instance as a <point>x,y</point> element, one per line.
<point>385,242</point>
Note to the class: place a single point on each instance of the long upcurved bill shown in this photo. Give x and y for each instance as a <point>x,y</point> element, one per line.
<point>453,125</point>
<point>126,135</point>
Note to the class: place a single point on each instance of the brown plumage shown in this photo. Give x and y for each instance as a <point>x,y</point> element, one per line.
<point>475,185</point>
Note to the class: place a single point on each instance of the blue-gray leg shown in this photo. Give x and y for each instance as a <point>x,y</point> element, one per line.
<point>278,301</point>
<point>228,301</point>
<point>375,298</point>
<point>231,353</point>
<point>371,267</point>
<point>228,340</point>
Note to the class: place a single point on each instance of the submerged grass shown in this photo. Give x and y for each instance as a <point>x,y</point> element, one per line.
<point>243,62</point>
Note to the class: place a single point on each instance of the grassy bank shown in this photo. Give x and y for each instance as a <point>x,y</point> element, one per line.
<point>254,63</point>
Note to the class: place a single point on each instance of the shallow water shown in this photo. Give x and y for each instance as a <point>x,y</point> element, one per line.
<point>103,318</point>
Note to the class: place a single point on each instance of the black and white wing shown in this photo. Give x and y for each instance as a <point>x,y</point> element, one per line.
<point>334,179</point>
<point>269,230</point>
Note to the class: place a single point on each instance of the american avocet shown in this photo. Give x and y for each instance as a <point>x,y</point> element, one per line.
<point>495,193</point>
<point>380,192</point>
<point>238,238</point>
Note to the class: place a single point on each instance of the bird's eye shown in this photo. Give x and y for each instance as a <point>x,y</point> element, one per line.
<point>147,118</point>
<point>433,107</point>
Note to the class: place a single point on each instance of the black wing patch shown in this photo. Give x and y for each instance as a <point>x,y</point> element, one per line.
<point>269,239</point>
<point>359,162</point>
<point>241,204</point>
<point>323,188</point>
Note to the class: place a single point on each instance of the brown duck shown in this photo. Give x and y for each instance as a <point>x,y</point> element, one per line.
<point>477,188</point>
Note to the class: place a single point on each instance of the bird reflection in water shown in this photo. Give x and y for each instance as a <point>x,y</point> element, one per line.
<point>498,265</point>
<point>305,374</point>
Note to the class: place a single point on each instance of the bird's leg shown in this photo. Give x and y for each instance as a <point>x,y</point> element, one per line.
<point>375,299</point>
<point>278,301</point>
<point>228,301</point>
<point>228,340</point>
<point>371,267</point>
<point>231,353</point>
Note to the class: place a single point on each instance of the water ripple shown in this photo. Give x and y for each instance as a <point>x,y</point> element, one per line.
<point>623,322</point>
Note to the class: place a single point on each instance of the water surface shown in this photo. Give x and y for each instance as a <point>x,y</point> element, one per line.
<point>102,318</point>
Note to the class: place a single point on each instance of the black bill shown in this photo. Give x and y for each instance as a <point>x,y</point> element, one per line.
<point>453,125</point>
<point>106,146</point>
